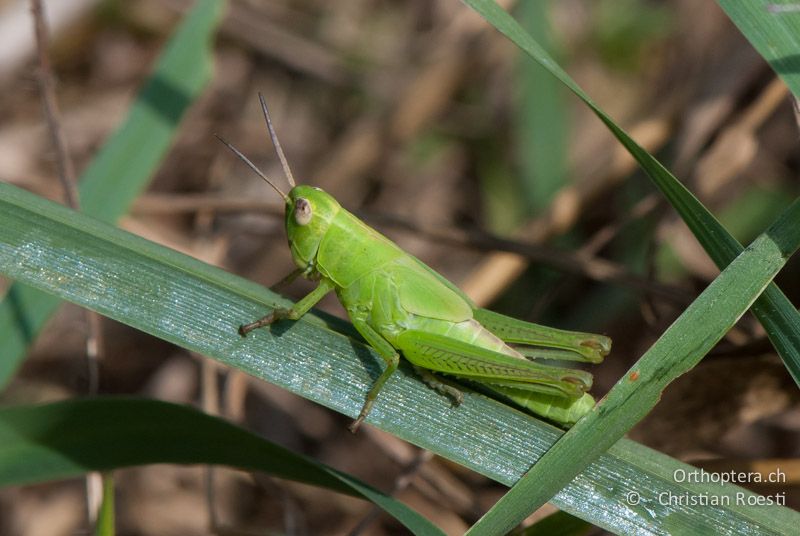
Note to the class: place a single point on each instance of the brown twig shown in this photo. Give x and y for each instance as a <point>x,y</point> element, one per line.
<point>160,204</point>
<point>66,175</point>
<point>66,171</point>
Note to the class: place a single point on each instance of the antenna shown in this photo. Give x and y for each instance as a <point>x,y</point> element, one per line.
<point>258,172</point>
<point>274,137</point>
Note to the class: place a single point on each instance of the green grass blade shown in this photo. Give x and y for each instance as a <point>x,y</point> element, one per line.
<point>774,310</point>
<point>105,525</point>
<point>541,129</point>
<point>67,439</point>
<point>679,349</point>
<point>130,157</point>
<point>773,28</point>
<point>199,307</point>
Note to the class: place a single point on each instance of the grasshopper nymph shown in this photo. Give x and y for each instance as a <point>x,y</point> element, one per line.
<point>402,307</point>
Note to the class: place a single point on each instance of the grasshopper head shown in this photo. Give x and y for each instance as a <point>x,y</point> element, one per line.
<point>309,212</point>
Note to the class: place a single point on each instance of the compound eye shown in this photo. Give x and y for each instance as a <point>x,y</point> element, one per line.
<point>302,211</point>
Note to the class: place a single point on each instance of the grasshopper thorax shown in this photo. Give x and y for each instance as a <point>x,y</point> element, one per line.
<point>309,212</point>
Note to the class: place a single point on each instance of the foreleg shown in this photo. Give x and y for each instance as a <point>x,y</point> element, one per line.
<point>293,313</point>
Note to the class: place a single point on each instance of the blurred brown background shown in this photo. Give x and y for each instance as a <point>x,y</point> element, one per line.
<point>428,124</point>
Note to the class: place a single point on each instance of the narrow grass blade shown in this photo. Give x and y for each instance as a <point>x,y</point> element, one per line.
<point>774,310</point>
<point>541,129</point>
<point>200,307</point>
<point>773,28</point>
<point>129,157</point>
<point>679,349</point>
<point>105,525</point>
<point>70,438</point>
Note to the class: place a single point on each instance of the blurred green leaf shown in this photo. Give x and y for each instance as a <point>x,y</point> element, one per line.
<point>622,30</point>
<point>542,123</point>
<point>752,210</point>
<point>70,438</point>
<point>502,206</point>
<point>124,165</point>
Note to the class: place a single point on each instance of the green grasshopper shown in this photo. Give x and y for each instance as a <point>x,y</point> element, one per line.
<point>401,306</point>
